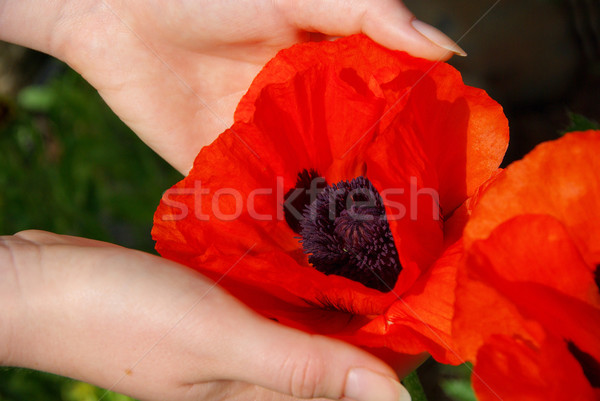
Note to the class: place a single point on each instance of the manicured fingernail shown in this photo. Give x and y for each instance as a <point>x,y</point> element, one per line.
<point>438,37</point>
<point>366,385</point>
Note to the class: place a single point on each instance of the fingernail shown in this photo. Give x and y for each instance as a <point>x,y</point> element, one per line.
<point>366,385</point>
<point>438,37</point>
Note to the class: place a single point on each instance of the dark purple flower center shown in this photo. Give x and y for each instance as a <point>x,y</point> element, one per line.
<point>344,230</point>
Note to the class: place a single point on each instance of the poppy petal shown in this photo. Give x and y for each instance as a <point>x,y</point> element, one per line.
<point>461,129</point>
<point>558,178</point>
<point>422,317</point>
<point>531,271</point>
<point>515,370</point>
<point>343,108</point>
<point>527,284</point>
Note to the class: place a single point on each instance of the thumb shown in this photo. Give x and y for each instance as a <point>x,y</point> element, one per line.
<point>311,366</point>
<point>388,22</point>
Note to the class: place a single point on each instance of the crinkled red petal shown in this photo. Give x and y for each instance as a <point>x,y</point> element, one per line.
<point>511,369</point>
<point>541,284</point>
<point>559,178</point>
<point>344,108</point>
<point>532,258</point>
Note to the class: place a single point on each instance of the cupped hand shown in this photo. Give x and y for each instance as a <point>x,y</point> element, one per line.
<point>175,70</point>
<point>147,327</point>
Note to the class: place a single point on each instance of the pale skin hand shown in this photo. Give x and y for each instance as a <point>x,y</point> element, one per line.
<point>147,327</point>
<point>175,70</point>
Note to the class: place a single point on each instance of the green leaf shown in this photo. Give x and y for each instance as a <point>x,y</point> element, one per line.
<point>414,387</point>
<point>458,390</point>
<point>578,122</point>
<point>36,98</point>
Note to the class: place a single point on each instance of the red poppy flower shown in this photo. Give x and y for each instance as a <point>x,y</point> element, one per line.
<point>333,202</point>
<point>528,303</point>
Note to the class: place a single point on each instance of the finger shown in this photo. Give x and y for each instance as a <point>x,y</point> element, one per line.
<point>309,366</point>
<point>236,391</point>
<point>40,237</point>
<point>388,22</point>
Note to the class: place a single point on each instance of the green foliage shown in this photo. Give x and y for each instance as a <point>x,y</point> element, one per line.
<point>577,122</point>
<point>459,390</point>
<point>414,387</point>
<point>69,165</point>
<point>458,384</point>
<point>28,385</point>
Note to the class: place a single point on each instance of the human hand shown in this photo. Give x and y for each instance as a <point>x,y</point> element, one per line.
<point>175,71</point>
<point>147,327</point>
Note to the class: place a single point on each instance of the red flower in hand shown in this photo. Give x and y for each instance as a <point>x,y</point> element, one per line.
<point>528,304</point>
<point>333,204</point>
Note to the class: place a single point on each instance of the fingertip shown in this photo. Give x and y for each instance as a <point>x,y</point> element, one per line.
<point>387,22</point>
<point>437,37</point>
<point>300,365</point>
<point>366,385</point>
<point>395,27</point>
<point>404,394</point>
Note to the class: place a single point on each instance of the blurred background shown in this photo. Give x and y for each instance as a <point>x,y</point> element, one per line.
<point>68,165</point>
<point>540,59</point>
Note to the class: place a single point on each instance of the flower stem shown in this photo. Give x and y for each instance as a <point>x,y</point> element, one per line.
<point>414,387</point>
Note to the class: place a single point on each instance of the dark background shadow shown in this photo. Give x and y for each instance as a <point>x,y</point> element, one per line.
<point>540,59</point>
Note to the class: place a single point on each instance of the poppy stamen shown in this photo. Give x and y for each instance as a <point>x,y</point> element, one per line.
<point>309,184</point>
<point>345,232</point>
